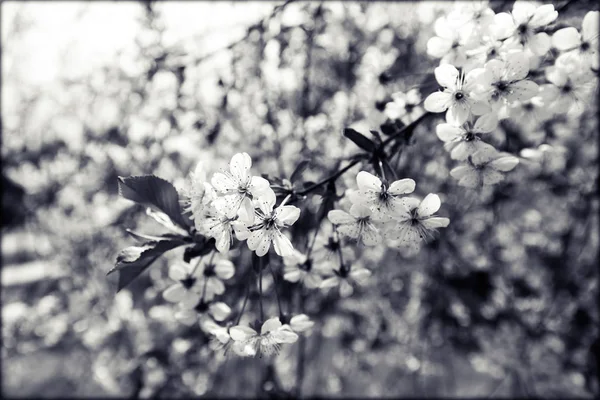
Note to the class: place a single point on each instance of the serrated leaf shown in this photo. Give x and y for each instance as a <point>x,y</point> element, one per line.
<point>154,192</point>
<point>300,168</point>
<point>359,139</point>
<point>134,260</point>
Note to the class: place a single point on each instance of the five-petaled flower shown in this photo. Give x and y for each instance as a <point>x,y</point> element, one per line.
<point>417,223</point>
<point>457,97</point>
<point>462,141</point>
<point>346,279</point>
<point>507,80</point>
<point>357,224</point>
<point>299,268</point>
<point>247,342</point>
<point>236,188</point>
<point>268,225</point>
<point>485,167</point>
<point>382,198</point>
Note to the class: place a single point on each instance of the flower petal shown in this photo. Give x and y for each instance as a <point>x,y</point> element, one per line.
<point>543,15</point>
<point>435,222</point>
<point>223,183</point>
<point>437,102</point>
<point>282,245</point>
<point>266,201</point>
<point>258,185</point>
<point>220,311</point>
<point>522,91</point>
<point>270,325</point>
<point>446,75</point>
<point>285,335</point>
<point>566,39</point>
<point>241,333</point>
<point>589,26</point>
<point>491,177</point>
<point>287,214</point>
<point>178,271</point>
<point>224,269</point>
<point>448,132</point>
<point>430,204</point>
<point>402,186</point>
<point>264,245</point>
<point>458,113</point>
<point>517,66</point>
<point>505,164</point>
<point>346,288</point>
<point>368,182</point>
<point>486,123</point>
<point>360,275</point>
<point>174,293</point>
<point>255,238</point>
<point>540,43</point>
<point>240,167</point>
<point>330,282</point>
<point>338,217</point>
<point>292,274</point>
<point>370,236</point>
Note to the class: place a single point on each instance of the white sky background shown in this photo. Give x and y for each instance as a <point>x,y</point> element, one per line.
<point>71,39</point>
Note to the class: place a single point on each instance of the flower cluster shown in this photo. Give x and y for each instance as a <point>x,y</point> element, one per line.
<point>496,67</point>
<point>237,204</point>
<point>380,212</point>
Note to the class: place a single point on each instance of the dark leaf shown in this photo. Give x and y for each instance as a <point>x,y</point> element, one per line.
<point>134,260</point>
<point>156,193</point>
<point>302,165</point>
<point>202,248</point>
<point>359,139</point>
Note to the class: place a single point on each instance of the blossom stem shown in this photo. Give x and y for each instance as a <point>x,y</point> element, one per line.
<point>243,305</point>
<point>327,180</point>
<point>260,288</point>
<point>197,264</point>
<point>285,200</point>
<point>276,291</point>
<point>406,129</point>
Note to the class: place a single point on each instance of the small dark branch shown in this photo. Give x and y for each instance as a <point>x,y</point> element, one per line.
<point>327,180</point>
<point>243,305</point>
<point>406,129</point>
<point>276,291</point>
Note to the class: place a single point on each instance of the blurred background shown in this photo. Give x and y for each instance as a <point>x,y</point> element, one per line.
<point>503,303</point>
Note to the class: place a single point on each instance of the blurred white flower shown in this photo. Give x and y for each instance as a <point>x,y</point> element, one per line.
<point>346,280</point>
<point>417,223</point>
<point>462,141</point>
<point>301,323</point>
<point>298,268</point>
<point>236,187</point>
<point>189,282</point>
<point>204,279</point>
<point>447,42</point>
<point>268,225</point>
<point>217,224</point>
<point>569,91</point>
<point>357,224</point>
<point>405,106</point>
<point>247,342</point>
<point>381,198</point>
<point>579,49</point>
<point>485,167</point>
<point>193,308</point>
<point>457,96</point>
<point>522,25</point>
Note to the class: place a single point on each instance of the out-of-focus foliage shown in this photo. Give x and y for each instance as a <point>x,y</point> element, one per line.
<point>506,295</point>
